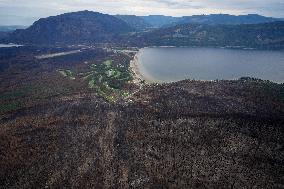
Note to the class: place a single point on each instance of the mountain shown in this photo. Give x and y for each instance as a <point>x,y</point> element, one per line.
<point>226,19</point>
<point>210,30</point>
<point>212,19</point>
<point>134,21</point>
<point>83,26</point>
<point>262,36</point>
<point>158,21</point>
<point>11,28</point>
<point>6,30</point>
<point>3,35</point>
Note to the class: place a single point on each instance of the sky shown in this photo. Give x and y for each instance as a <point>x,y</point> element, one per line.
<point>25,12</point>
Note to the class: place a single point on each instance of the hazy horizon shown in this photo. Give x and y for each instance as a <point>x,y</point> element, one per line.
<point>20,12</point>
<point>128,15</point>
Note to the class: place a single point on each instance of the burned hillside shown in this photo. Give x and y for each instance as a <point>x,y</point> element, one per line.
<point>189,134</point>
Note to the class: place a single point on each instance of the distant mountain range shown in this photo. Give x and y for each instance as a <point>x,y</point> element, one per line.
<point>259,36</point>
<point>205,30</point>
<point>11,28</point>
<point>215,19</point>
<point>6,30</point>
<point>3,35</point>
<point>135,22</point>
<point>157,21</point>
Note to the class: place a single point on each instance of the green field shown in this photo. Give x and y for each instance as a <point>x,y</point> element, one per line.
<point>67,73</point>
<point>107,78</point>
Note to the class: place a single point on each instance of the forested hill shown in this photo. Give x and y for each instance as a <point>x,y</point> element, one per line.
<point>158,21</point>
<point>261,36</point>
<point>77,27</point>
<point>227,19</point>
<point>135,22</point>
<point>92,27</point>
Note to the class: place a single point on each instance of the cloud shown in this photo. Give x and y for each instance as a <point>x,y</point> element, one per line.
<point>27,11</point>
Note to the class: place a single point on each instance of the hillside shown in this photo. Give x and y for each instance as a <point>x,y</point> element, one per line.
<point>261,36</point>
<point>3,35</point>
<point>226,19</point>
<point>76,113</point>
<point>190,134</point>
<point>204,30</point>
<point>158,21</point>
<point>211,19</point>
<point>84,26</point>
<point>134,21</point>
<point>11,28</point>
<point>77,120</point>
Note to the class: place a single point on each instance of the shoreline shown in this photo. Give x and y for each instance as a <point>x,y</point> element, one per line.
<point>138,77</point>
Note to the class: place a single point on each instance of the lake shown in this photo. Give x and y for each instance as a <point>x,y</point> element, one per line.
<point>9,45</point>
<point>174,64</point>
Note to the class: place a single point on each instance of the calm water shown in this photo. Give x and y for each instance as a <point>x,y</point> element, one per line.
<point>9,45</point>
<point>174,64</point>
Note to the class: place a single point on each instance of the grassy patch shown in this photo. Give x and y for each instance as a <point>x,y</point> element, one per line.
<point>108,63</point>
<point>9,107</point>
<point>18,93</point>
<point>12,95</point>
<point>125,94</point>
<point>107,78</point>
<point>67,73</point>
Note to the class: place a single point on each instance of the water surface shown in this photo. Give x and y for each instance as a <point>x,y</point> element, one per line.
<point>174,64</point>
<point>9,45</point>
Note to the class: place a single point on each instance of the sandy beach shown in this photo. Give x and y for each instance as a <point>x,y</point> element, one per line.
<point>138,78</point>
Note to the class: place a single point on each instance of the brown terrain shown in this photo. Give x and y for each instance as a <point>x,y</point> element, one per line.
<point>57,133</point>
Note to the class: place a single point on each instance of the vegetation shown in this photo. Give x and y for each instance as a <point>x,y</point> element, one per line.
<point>178,135</point>
<point>259,36</point>
<point>11,101</point>
<point>107,79</point>
<point>83,26</point>
<point>9,107</point>
<point>26,82</point>
<point>58,132</point>
<point>67,73</point>
<point>86,27</point>
<point>269,88</point>
<point>134,21</point>
<point>212,19</point>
